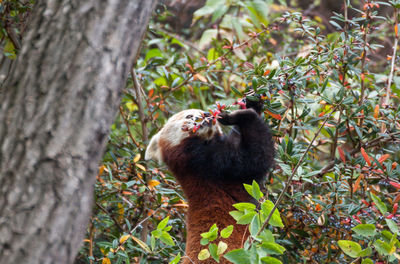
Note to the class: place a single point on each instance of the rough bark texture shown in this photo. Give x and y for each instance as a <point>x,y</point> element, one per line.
<point>55,114</point>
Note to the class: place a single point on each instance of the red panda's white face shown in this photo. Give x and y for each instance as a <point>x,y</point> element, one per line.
<point>191,122</point>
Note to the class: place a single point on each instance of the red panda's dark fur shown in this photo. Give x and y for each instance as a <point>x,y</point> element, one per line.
<point>212,172</point>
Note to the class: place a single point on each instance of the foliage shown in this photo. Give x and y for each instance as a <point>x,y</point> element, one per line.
<point>336,180</point>
<point>262,242</point>
<point>331,100</point>
<point>13,16</point>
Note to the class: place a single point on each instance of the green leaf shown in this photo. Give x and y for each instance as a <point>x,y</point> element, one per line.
<point>203,254</point>
<point>367,261</point>
<point>236,214</point>
<point>249,189</point>
<point>156,233</point>
<point>212,234</point>
<point>219,12</point>
<point>209,8</point>
<point>163,223</point>
<point>245,206</point>
<point>392,226</point>
<point>390,238</point>
<point>246,219</point>
<point>176,259</point>
<point>212,54</point>
<point>238,29</point>
<point>167,239</point>
<point>255,225</point>
<point>238,256</point>
<point>222,246</point>
<point>350,248</point>
<point>212,248</point>
<point>258,12</point>
<point>9,50</point>
<point>153,53</point>
<point>324,85</point>
<point>227,231</point>
<point>207,37</point>
<point>267,236</point>
<point>366,252</point>
<point>384,248</point>
<point>204,241</point>
<point>338,27</point>
<point>273,248</point>
<point>379,204</point>
<point>276,218</point>
<point>152,242</point>
<point>271,74</point>
<point>270,260</point>
<point>236,91</point>
<point>364,229</point>
<point>256,192</point>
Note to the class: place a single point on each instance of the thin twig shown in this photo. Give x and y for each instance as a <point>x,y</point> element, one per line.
<point>363,60</point>
<point>91,235</point>
<point>184,41</point>
<point>12,36</point>
<point>396,40</point>
<point>111,216</point>
<point>335,138</point>
<point>127,126</point>
<point>144,220</point>
<point>136,86</point>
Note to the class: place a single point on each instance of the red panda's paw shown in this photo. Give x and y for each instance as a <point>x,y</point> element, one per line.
<point>237,117</point>
<point>225,119</point>
<point>256,105</point>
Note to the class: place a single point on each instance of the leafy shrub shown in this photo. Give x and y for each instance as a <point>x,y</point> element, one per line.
<point>332,103</point>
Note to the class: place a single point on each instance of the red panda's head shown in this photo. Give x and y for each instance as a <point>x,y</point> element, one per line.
<point>187,123</point>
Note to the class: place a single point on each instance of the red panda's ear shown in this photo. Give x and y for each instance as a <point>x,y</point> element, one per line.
<point>153,150</point>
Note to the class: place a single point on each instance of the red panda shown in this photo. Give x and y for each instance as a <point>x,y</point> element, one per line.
<point>211,168</point>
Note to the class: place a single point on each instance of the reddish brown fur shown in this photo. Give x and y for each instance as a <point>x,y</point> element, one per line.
<point>209,203</point>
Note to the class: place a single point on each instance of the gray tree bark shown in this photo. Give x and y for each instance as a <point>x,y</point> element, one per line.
<point>55,114</point>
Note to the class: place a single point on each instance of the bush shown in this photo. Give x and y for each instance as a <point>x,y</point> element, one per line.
<point>332,102</point>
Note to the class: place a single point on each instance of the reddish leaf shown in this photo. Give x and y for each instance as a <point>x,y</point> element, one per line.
<point>200,77</point>
<point>341,154</point>
<point>376,111</point>
<point>151,92</point>
<point>366,157</point>
<point>383,158</point>
<point>357,219</point>
<point>395,184</point>
<point>395,206</point>
<point>357,183</point>
<point>365,202</point>
<point>276,116</point>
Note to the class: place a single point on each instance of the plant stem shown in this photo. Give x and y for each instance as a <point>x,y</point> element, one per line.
<point>396,41</point>
<point>136,86</point>
<point>91,235</point>
<point>335,138</point>
<point>127,126</point>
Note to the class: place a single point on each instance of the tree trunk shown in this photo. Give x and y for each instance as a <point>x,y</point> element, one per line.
<point>55,114</point>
